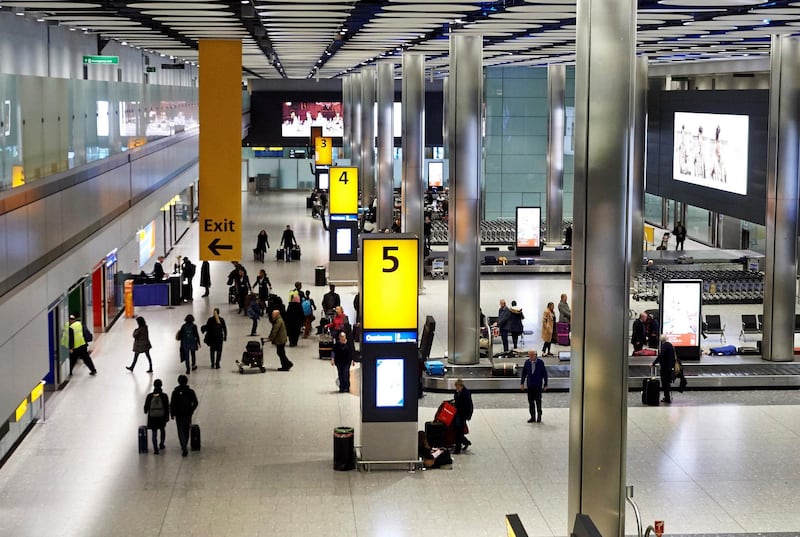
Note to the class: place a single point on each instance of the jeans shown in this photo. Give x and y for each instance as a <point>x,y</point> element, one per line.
<point>183,424</point>
<point>215,352</point>
<point>136,357</point>
<point>344,376</point>
<point>285,362</point>
<point>534,401</point>
<point>155,436</point>
<point>504,338</point>
<point>254,329</point>
<point>186,354</point>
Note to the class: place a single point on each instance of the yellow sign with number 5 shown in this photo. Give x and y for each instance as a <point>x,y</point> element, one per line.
<point>389,283</point>
<point>343,188</point>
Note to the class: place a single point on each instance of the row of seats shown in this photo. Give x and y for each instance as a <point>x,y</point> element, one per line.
<point>719,286</point>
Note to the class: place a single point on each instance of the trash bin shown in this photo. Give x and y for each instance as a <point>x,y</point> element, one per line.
<point>320,279</point>
<point>175,290</point>
<point>344,454</point>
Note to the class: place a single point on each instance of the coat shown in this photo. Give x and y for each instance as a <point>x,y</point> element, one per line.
<point>262,242</point>
<point>157,422</point>
<point>666,359</point>
<point>463,402</point>
<point>564,313</point>
<point>502,318</point>
<point>216,332</point>
<point>205,274</point>
<point>141,339</point>
<point>548,323</point>
<point>515,317</point>
<point>278,333</point>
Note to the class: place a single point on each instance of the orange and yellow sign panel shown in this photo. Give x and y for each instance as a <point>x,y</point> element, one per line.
<point>389,283</point>
<point>343,190</point>
<point>323,151</point>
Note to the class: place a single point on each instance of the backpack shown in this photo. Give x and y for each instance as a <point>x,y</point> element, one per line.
<point>87,335</point>
<point>157,409</point>
<point>307,308</point>
<point>188,333</point>
<point>190,269</point>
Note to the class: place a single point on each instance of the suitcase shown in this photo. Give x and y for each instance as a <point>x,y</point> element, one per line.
<point>562,333</point>
<point>650,388</point>
<point>434,367</point>
<point>504,369</point>
<point>296,253</point>
<point>194,437</point>
<point>645,352</point>
<point>445,413</point>
<point>749,350</point>
<point>279,254</point>
<point>142,439</point>
<point>258,255</point>
<point>309,202</point>
<point>725,350</point>
<point>325,347</point>
<point>435,432</point>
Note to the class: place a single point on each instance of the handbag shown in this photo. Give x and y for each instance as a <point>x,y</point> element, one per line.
<point>446,413</point>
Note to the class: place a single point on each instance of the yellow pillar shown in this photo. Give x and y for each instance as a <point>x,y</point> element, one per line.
<point>220,150</point>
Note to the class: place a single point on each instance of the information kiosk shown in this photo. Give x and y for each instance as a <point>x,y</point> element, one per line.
<point>344,214</point>
<point>681,317</point>
<point>389,364</point>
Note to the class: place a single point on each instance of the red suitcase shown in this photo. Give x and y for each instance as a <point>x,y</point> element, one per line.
<point>445,413</point>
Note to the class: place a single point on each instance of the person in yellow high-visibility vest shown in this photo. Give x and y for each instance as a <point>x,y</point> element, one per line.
<point>74,338</point>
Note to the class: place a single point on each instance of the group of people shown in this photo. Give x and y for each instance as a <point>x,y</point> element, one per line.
<point>509,322</point>
<point>645,332</point>
<point>180,406</point>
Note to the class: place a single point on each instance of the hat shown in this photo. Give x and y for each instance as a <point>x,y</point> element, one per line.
<point>72,317</point>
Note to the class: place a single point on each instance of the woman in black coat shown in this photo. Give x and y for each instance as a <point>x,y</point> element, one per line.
<point>205,276</point>
<point>157,414</point>
<point>262,243</point>
<point>462,400</point>
<point>295,319</point>
<point>342,358</point>
<point>216,332</point>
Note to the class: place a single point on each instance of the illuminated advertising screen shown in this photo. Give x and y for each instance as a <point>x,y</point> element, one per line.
<point>299,117</point>
<point>147,243</point>
<point>323,180</point>
<point>435,174</point>
<point>389,385</point>
<point>680,312</point>
<point>529,227</point>
<point>344,241</point>
<point>710,150</point>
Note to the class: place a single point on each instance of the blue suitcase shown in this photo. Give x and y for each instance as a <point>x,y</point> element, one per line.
<point>725,350</point>
<point>434,367</point>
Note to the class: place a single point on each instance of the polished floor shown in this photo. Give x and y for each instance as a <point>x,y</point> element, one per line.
<point>714,463</point>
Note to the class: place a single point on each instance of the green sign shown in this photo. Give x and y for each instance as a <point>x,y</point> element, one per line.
<point>100,59</point>
<point>150,69</point>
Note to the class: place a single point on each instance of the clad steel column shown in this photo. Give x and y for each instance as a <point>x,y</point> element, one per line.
<point>355,117</point>
<point>465,97</point>
<point>604,75</point>
<point>367,172</point>
<point>782,199</point>
<point>413,188</point>
<point>385,181</point>
<point>556,89</point>
<point>637,172</point>
<point>445,118</point>
<point>347,110</point>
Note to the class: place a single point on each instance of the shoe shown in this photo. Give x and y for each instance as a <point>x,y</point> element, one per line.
<point>161,445</point>
<point>539,419</point>
<point>467,443</point>
<point>666,401</point>
<point>253,334</point>
<point>194,367</point>
<point>283,369</point>
<point>149,371</point>
<point>457,451</point>
<point>217,366</point>
<point>185,452</point>
<point>93,373</point>
<point>203,296</point>
<point>155,451</point>
<point>531,420</point>
<point>129,368</point>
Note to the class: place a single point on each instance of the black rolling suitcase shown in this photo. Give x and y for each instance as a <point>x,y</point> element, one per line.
<point>650,388</point>
<point>296,252</point>
<point>325,347</point>
<point>142,439</point>
<point>435,432</point>
<point>194,437</point>
<point>279,254</point>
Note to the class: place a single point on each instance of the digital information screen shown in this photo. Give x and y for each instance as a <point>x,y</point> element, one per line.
<point>389,385</point>
<point>529,227</point>
<point>344,241</point>
<point>710,150</point>
<point>324,180</point>
<point>680,312</point>
<point>147,243</point>
<point>299,117</point>
<point>435,174</point>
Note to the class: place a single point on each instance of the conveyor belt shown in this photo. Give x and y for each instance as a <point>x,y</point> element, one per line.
<point>701,376</point>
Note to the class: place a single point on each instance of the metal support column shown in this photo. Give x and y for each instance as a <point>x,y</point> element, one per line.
<point>385,179</point>
<point>347,110</point>
<point>556,90</point>
<point>355,133</point>
<point>637,175</point>
<point>782,199</point>
<point>445,117</point>
<point>604,75</point>
<point>465,98</point>
<point>413,188</point>
<point>367,176</point>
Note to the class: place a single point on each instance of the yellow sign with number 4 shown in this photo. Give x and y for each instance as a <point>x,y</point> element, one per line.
<point>343,188</point>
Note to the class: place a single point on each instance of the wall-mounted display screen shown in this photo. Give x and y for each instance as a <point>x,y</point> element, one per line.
<point>680,312</point>
<point>435,174</point>
<point>344,241</point>
<point>389,386</point>
<point>711,150</point>
<point>299,117</point>
<point>529,225</point>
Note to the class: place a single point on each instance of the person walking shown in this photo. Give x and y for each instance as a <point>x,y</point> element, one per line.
<point>205,277</point>
<point>342,358</point>
<point>462,400</point>
<point>666,359</point>
<point>262,286</point>
<point>216,332</point>
<point>187,275</point>
<point>190,342</point>
<point>184,403</point>
<point>680,235</point>
<point>141,344</point>
<point>262,243</point>
<point>287,243</point>
<point>514,324</point>
<point>242,289</point>
<point>156,406</point>
<point>254,313</point>
<point>76,338</point>
<point>295,318</point>
<point>308,312</point>
<point>548,328</point>
<point>279,338</point>
<point>502,323</point>
<point>534,373</point>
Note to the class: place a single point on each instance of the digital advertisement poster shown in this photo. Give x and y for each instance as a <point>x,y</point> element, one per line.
<point>529,226</point>
<point>389,392</point>
<point>298,118</point>
<point>680,305</point>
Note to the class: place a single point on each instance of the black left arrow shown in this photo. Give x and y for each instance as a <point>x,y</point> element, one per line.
<point>215,246</point>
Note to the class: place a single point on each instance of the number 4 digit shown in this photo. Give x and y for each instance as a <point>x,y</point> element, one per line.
<point>343,177</point>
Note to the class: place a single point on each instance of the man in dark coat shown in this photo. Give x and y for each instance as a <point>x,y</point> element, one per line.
<point>535,374</point>
<point>342,358</point>
<point>330,300</point>
<point>666,359</point>
<point>205,277</point>
<point>287,242</point>
<point>158,269</point>
<point>462,400</point>
<point>503,317</point>
<point>182,405</point>
<point>639,333</point>
<point>652,332</point>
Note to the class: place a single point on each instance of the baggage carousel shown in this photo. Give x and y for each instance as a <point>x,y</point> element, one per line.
<point>710,373</point>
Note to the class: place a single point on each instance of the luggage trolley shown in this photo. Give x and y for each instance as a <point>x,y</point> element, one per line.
<point>252,357</point>
<point>437,268</point>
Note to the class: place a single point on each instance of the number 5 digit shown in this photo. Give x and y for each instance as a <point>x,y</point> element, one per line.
<point>393,259</point>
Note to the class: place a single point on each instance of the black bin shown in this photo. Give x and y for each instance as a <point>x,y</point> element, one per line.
<point>175,290</point>
<point>320,279</point>
<point>344,453</point>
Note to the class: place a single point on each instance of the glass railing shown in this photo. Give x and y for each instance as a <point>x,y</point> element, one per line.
<point>49,125</point>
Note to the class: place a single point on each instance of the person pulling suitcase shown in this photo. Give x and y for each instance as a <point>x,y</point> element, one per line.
<point>182,405</point>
